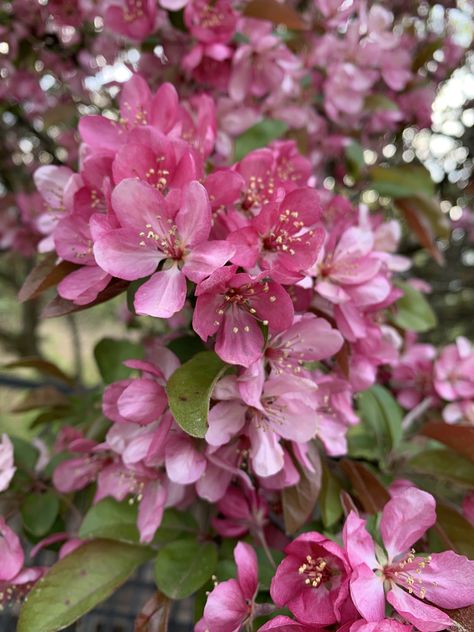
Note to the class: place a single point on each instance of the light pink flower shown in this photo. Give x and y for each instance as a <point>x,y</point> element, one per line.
<point>442,579</point>
<point>152,231</point>
<point>7,468</point>
<point>454,371</point>
<point>313,580</point>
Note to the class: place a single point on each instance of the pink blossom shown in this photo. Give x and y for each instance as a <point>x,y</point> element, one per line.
<point>232,304</point>
<point>230,604</point>
<point>412,375</point>
<point>154,230</point>
<point>442,579</point>
<point>281,623</point>
<point>133,18</point>
<point>309,339</point>
<point>241,511</point>
<point>7,468</point>
<point>454,371</point>
<point>283,237</point>
<point>210,22</point>
<point>313,580</point>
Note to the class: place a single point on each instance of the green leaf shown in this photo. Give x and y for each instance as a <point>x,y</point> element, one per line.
<point>444,467</point>
<point>355,158</point>
<point>186,347</point>
<point>189,391</point>
<point>265,570</point>
<point>25,455</point>
<point>182,567</point>
<point>258,136</point>
<point>39,511</point>
<point>77,583</point>
<point>379,102</point>
<point>402,181</point>
<point>329,499</point>
<point>111,519</point>
<point>459,532</point>
<point>380,430</point>
<point>413,310</point>
<point>109,355</point>
<point>175,524</point>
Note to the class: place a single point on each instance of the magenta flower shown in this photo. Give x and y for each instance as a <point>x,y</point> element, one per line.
<point>285,624</point>
<point>7,468</point>
<point>230,605</point>
<point>410,580</point>
<point>154,231</point>
<point>232,305</point>
<point>313,580</point>
<point>133,18</point>
<point>283,237</point>
<point>211,22</point>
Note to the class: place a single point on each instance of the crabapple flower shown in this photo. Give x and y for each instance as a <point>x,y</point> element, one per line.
<point>232,304</point>
<point>313,580</point>
<point>133,18</point>
<point>409,580</point>
<point>7,468</point>
<point>230,605</point>
<point>454,371</point>
<point>309,339</point>
<point>283,237</point>
<point>211,22</point>
<point>152,230</point>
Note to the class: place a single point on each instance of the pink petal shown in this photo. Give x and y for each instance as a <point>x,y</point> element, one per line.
<point>367,593</point>
<point>226,608</point>
<point>119,253</point>
<point>82,286</point>
<point>194,216</point>
<point>205,258</point>
<point>100,132</point>
<point>247,569</point>
<point>239,339</point>
<point>405,519</point>
<point>142,401</point>
<point>151,510</point>
<point>266,452</point>
<point>137,204</point>
<point>449,580</point>
<point>225,419</point>
<point>285,624</point>
<point>425,617</point>
<point>11,552</point>
<point>163,295</point>
<point>184,463</point>
<point>360,547</point>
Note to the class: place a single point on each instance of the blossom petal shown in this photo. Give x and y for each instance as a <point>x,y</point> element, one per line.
<point>163,295</point>
<point>367,593</point>
<point>194,216</point>
<point>225,609</point>
<point>205,258</point>
<point>449,580</point>
<point>239,339</point>
<point>405,519</point>
<point>225,420</point>
<point>425,617</point>
<point>247,569</point>
<point>358,543</point>
<point>119,253</point>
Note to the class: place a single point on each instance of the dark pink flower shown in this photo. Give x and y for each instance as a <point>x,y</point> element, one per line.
<point>412,582</point>
<point>230,605</point>
<point>283,237</point>
<point>133,18</point>
<point>313,580</point>
<point>210,22</point>
<point>232,305</point>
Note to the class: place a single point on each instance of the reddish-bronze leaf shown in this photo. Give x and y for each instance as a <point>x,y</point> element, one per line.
<point>464,619</point>
<point>300,500</point>
<point>347,503</point>
<point>47,273</point>
<point>276,12</point>
<point>43,366</point>
<point>154,615</point>
<point>369,490</point>
<point>61,307</point>
<point>458,438</point>
<point>454,530</point>
<point>40,398</point>
<point>425,218</point>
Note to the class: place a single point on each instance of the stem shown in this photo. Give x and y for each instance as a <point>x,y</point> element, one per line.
<point>261,538</point>
<point>76,347</point>
<point>417,412</point>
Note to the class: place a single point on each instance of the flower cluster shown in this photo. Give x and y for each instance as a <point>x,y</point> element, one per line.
<point>351,585</point>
